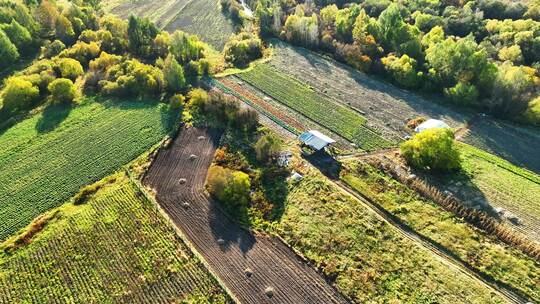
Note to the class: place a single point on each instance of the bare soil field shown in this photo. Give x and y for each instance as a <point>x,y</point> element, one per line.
<point>386,107</point>
<point>250,266</point>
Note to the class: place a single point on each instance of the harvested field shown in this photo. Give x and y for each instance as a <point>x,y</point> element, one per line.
<point>45,159</point>
<point>160,12</point>
<point>302,98</point>
<point>200,17</point>
<point>204,19</point>
<point>115,248</point>
<point>386,107</point>
<point>520,145</point>
<point>247,264</point>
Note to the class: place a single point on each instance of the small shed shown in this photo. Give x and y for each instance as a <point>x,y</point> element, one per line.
<point>315,140</point>
<point>430,124</point>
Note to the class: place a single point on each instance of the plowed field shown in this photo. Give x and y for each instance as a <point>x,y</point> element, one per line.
<point>231,252</point>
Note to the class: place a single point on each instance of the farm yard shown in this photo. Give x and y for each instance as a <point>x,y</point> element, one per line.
<point>248,265</point>
<point>484,253</point>
<point>301,98</point>
<point>365,257</point>
<point>494,183</point>
<point>45,159</point>
<point>115,248</point>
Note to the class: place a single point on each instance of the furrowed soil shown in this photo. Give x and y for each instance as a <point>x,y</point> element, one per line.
<point>160,12</point>
<point>115,248</point>
<point>248,265</point>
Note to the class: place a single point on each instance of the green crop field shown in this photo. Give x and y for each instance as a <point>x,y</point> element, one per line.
<point>368,260</point>
<point>481,251</point>
<point>303,99</point>
<point>45,159</point>
<point>115,248</point>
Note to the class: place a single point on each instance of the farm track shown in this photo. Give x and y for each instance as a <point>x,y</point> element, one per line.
<point>203,223</point>
<point>442,253</point>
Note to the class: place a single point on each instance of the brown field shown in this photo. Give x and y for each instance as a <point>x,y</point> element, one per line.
<point>205,225</point>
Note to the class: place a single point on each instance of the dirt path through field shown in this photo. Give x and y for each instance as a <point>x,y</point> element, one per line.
<point>248,265</point>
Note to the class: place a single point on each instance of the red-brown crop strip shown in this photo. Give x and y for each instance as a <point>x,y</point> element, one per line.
<point>248,265</point>
<point>265,105</point>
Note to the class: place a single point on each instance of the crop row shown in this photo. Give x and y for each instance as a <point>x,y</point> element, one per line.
<point>116,248</point>
<point>302,99</point>
<point>42,169</point>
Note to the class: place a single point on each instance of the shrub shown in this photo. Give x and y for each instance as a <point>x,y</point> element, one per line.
<point>53,49</point>
<point>432,149</point>
<point>82,52</point>
<point>19,35</point>
<point>133,78</point>
<point>230,187</point>
<point>69,68</point>
<point>267,147</point>
<point>174,75</point>
<point>462,93</point>
<point>18,94</point>
<point>532,114</point>
<point>177,100</point>
<point>243,48</point>
<point>403,70</point>
<point>62,90</point>
<point>8,51</point>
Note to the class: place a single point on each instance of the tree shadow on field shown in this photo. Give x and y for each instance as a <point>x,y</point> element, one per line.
<point>52,117</point>
<point>227,231</point>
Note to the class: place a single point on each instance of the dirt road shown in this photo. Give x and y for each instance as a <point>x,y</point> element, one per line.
<point>250,266</point>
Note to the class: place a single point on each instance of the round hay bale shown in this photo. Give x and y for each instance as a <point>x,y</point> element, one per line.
<point>185,205</point>
<point>192,157</point>
<point>248,272</point>
<point>221,241</point>
<point>201,137</point>
<point>269,292</point>
<point>182,181</point>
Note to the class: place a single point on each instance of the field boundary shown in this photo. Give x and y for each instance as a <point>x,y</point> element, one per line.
<point>178,231</point>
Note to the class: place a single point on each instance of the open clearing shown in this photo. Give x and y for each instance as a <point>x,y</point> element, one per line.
<point>200,17</point>
<point>45,159</point>
<point>336,117</point>
<point>367,258</point>
<point>205,19</point>
<point>160,12</point>
<point>484,253</point>
<point>231,252</point>
<point>116,248</point>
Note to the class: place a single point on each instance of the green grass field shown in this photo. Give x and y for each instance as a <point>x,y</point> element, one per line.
<point>497,182</point>
<point>304,100</point>
<point>115,248</point>
<point>369,261</point>
<point>46,159</point>
<point>483,252</point>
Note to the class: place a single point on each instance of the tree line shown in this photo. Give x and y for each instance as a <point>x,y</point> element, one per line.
<point>483,54</point>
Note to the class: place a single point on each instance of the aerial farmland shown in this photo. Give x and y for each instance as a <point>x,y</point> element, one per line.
<point>231,151</point>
